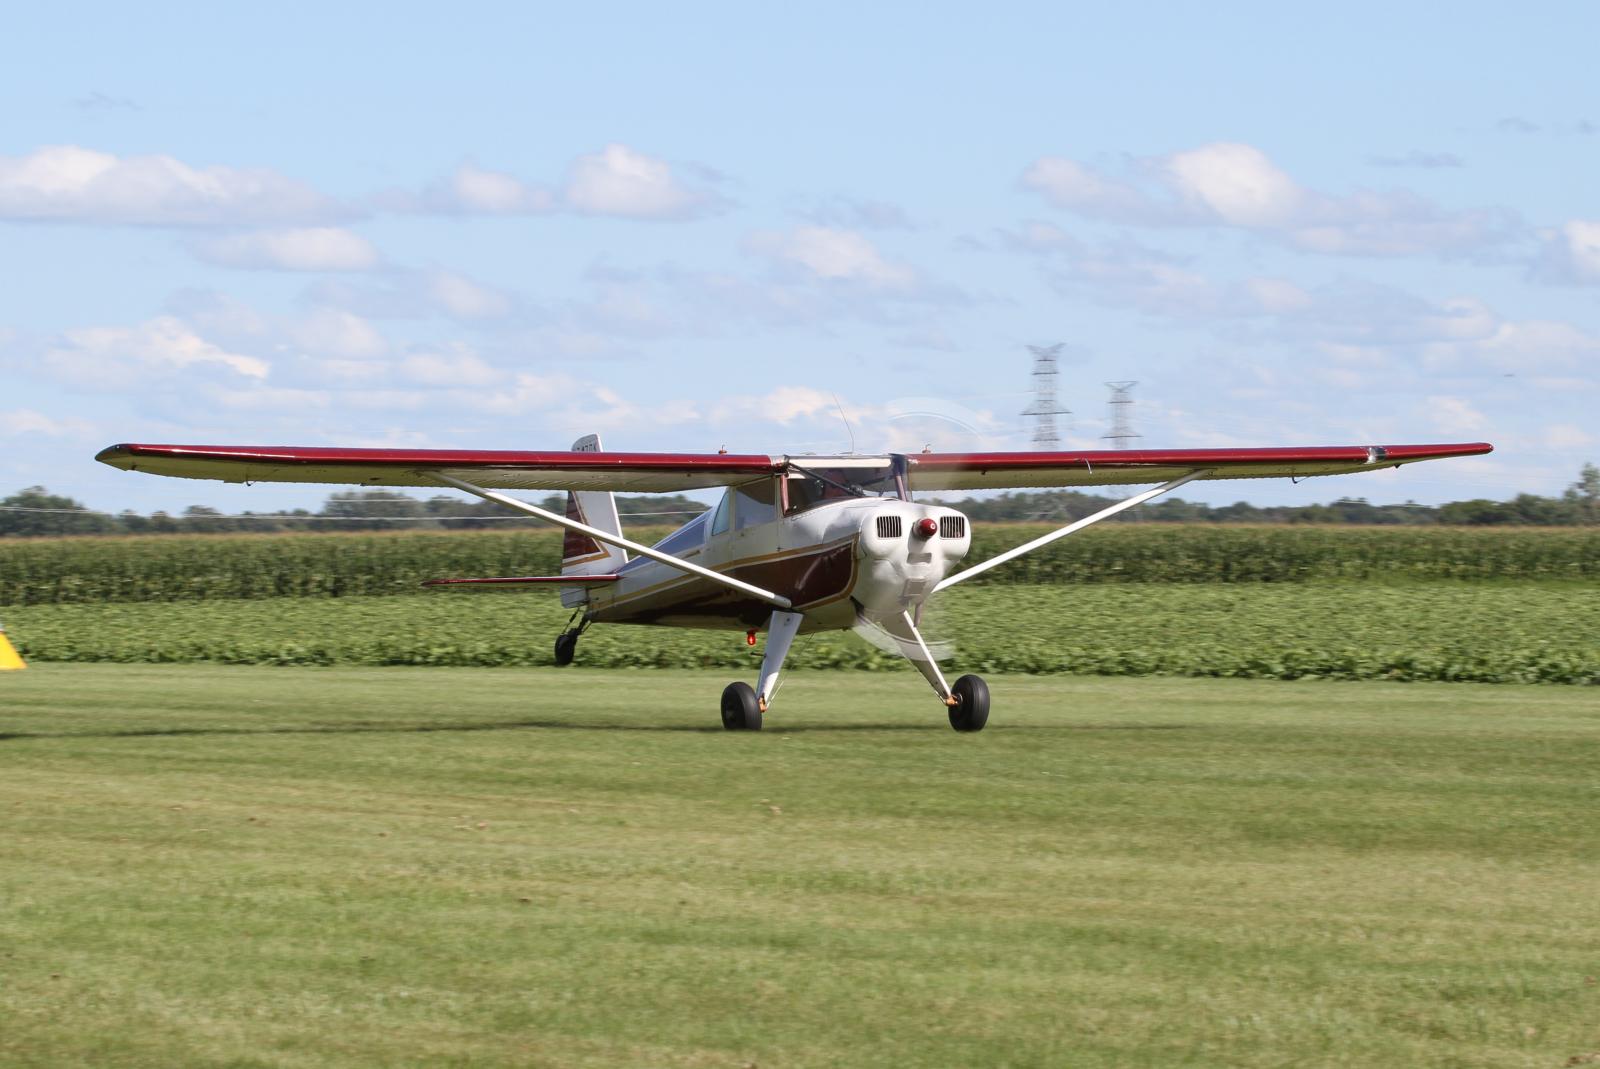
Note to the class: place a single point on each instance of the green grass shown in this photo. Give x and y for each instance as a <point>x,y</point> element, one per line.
<point>251,867</point>
<point>1481,632</point>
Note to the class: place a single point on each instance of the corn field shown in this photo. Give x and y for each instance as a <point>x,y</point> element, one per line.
<point>200,568</point>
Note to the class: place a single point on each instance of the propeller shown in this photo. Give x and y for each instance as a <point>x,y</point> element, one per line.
<point>888,633</point>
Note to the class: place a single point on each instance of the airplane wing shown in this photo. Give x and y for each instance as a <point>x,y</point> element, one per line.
<point>672,472</point>
<point>501,470</point>
<point>985,471</point>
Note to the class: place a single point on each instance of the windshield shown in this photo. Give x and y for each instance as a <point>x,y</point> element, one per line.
<point>810,486</point>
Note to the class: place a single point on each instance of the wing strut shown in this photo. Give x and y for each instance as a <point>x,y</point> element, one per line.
<point>615,540</point>
<point>1078,525</point>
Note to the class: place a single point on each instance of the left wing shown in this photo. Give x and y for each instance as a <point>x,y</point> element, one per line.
<point>1110,467</point>
<point>497,469</point>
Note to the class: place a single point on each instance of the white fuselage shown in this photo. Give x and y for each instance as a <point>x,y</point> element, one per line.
<point>833,560</point>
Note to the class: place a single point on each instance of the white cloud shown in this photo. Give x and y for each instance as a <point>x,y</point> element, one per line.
<point>1570,254</point>
<point>1418,158</point>
<point>117,357</point>
<point>529,392</point>
<point>305,249</point>
<point>1238,184</point>
<point>855,214</point>
<point>66,183</point>
<point>620,181</point>
<point>270,399</point>
<point>616,181</point>
<point>1567,436</point>
<point>453,367</point>
<point>474,190</point>
<point>462,298</point>
<point>1228,184</point>
<point>337,333</point>
<point>1540,345</point>
<point>1125,273</point>
<point>1454,415</point>
<point>24,422</point>
<point>834,255</point>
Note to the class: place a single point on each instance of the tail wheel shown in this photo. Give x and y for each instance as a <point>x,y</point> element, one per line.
<point>566,647</point>
<point>739,709</point>
<point>971,710</point>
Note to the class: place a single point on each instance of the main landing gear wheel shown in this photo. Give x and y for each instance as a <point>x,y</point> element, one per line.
<point>739,709</point>
<point>971,710</point>
<point>566,646</point>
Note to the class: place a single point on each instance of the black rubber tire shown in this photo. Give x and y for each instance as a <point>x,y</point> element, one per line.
<point>971,710</point>
<point>566,647</point>
<point>739,709</point>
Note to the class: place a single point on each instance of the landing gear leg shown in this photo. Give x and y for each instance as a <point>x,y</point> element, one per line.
<point>743,705</point>
<point>968,700</point>
<point>567,641</point>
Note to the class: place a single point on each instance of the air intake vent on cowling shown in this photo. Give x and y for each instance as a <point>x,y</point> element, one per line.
<point>953,526</point>
<point>890,527</point>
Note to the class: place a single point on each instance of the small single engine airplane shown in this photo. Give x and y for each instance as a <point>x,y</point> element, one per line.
<point>798,544</point>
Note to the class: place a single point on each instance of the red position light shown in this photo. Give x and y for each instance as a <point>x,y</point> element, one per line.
<point>927,527</point>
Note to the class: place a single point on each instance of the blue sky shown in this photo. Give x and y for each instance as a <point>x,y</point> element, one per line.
<point>504,226</point>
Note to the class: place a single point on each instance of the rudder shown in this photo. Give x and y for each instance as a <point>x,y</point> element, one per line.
<point>582,554</point>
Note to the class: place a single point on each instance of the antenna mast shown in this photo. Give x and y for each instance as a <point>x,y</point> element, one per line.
<point>1121,407</point>
<point>1044,409</point>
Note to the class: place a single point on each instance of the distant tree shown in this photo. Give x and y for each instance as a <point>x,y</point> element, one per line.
<point>202,519</point>
<point>365,510</point>
<point>1583,496</point>
<point>1479,512</point>
<point>37,512</point>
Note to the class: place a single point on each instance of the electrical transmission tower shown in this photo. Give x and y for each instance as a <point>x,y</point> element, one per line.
<point>1121,408</point>
<point>1044,409</point>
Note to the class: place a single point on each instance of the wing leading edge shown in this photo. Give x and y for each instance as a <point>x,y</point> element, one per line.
<point>499,470</point>
<point>984,471</point>
<point>672,472</point>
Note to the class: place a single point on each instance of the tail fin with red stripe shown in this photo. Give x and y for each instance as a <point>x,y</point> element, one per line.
<point>580,553</point>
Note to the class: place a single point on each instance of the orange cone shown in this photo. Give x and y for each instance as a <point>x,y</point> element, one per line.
<point>10,660</point>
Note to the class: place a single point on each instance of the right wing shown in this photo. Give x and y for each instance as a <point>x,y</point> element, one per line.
<point>647,473</point>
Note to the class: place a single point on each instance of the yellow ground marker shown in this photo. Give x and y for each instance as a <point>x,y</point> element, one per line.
<point>10,660</point>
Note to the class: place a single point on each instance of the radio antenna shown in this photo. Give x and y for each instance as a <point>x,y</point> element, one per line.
<point>848,429</point>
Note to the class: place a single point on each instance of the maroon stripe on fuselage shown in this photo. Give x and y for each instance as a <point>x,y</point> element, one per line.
<point>807,578</point>
<point>516,580</point>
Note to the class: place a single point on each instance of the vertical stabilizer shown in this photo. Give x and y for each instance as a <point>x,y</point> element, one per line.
<point>580,554</point>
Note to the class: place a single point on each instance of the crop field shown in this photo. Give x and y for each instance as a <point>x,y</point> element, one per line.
<point>1483,632</point>
<point>207,865</point>
<point>1279,603</point>
<point>178,568</point>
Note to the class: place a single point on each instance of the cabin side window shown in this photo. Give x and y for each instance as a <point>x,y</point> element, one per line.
<point>689,536</point>
<point>724,514</point>
<point>755,503</point>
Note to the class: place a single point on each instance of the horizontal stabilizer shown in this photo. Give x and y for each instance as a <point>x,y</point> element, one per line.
<point>524,580</point>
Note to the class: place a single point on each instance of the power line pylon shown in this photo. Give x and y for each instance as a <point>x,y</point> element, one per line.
<point>1044,409</point>
<point>1122,434</point>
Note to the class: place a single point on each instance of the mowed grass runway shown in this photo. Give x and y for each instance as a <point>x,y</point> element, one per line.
<point>238,866</point>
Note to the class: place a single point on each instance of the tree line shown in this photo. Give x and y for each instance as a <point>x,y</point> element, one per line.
<point>35,512</point>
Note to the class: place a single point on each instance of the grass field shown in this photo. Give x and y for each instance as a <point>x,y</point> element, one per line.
<point>252,867</point>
